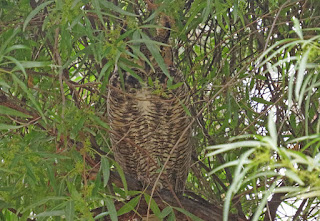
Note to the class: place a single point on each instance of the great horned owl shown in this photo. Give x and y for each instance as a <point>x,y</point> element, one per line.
<point>147,121</point>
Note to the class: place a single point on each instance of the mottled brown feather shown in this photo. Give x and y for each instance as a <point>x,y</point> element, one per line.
<point>146,126</point>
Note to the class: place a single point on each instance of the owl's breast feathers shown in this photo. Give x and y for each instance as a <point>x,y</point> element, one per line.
<point>148,124</point>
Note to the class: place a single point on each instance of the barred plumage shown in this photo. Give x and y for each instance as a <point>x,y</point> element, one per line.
<point>146,125</point>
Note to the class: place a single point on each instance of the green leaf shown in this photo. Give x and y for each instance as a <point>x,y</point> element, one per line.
<point>97,184</point>
<point>105,168</point>
<point>137,52</point>
<point>12,112</point>
<point>261,100</point>
<point>101,215</point>
<point>228,164</point>
<point>18,65</point>
<point>106,69</point>
<point>34,12</point>
<point>297,27</point>
<point>35,64</point>
<point>290,174</point>
<point>6,43</point>
<point>301,74</point>
<point>9,127</point>
<point>272,129</point>
<point>175,86</point>
<point>165,212</point>
<point>75,130</point>
<point>8,171</point>
<point>124,67</point>
<point>156,54</point>
<point>99,121</point>
<point>154,207</point>
<point>122,176</point>
<point>185,212</point>
<point>30,96</point>
<point>263,202</point>
<point>69,211</point>
<point>111,209</point>
<point>227,147</point>
<point>15,47</point>
<point>186,109</point>
<point>51,213</point>
<point>309,195</point>
<point>207,10</point>
<point>43,201</point>
<point>111,6</point>
<point>51,177</point>
<point>130,206</point>
<point>4,84</point>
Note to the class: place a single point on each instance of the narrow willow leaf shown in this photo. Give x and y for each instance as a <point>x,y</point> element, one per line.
<point>99,121</point>
<point>185,108</point>
<point>96,6</point>
<point>111,6</point>
<point>227,147</point>
<point>292,175</point>
<point>4,84</point>
<point>9,127</point>
<point>309,195</point>
<point>141,55</point>
<point>303,89</point>
<point>51,213</point>
<point>122,176</point>
<point>263,202</point>
<point>6,43</point>
<point>35,64</point>
<point>272,128</point>
<point>69,211</point>
<point>153,205</point>
<point>207,10</point>
<point>261,101</point>
<point>105,170</point>
<point>101,215</point>
<point>187,213</point>
<point>5,205</point>
<point>97,184</point>
<point>301,73</point>
<point>165,212</point>
<point>111,209</point>
<point>75,130</point>
<point>105,69</point>
<point>297,27</point>
<point>239,175</point>
<point>8,171</point>
<point>19,66</point>
<point>172,217</point>
<point>130,206</point>
<point>262,174</point>
<point>15,47</point>
<point>52,177</point>
<point>156,54</point>
<point>12,112</point>
<point>30,96</point>
<point>43,201</point>
<point>228,164</point>
<point>175,86</point>
<point>34,12</point>
<point>288,189</point>
<point>124,67</point>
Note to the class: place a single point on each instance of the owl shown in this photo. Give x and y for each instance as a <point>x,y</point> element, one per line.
<point>149,124</point>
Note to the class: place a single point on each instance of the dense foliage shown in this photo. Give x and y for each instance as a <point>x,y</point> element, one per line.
<point>253,72</point>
